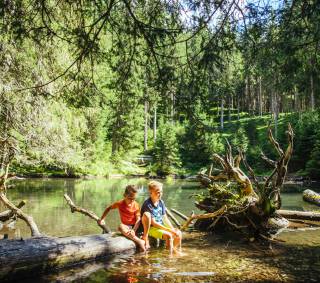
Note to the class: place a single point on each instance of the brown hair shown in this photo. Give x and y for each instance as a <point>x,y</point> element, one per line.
<point>130,189</point>
<point>154,185</point>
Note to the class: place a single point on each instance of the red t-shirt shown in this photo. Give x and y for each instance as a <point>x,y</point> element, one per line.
<point>128,213</point>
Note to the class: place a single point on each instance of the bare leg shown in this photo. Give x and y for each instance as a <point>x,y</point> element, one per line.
<point>167,236</point>
<point>124,229</point>
<point>146,222</point>
<point>177,242</point>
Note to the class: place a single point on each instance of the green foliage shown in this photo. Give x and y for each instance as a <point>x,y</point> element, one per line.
<point>313,164</point>
<point>240,140</point>
<point>166,154</point>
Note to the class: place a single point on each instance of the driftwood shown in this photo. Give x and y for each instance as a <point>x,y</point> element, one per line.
<point>86,212</point>
<point>171,216</point>
<point>6,215</point>
<point>23,258</point>
<point>303,215</point>
<point>20,214</point>
<point>184,217</point>
<point>311,196</point>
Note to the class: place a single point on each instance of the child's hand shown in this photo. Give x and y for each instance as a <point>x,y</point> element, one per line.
<point>101,222</point>
<point>176,232</point>
<point>131,233</point>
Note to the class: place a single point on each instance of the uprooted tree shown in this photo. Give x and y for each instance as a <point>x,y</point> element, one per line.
<point>241,202</point>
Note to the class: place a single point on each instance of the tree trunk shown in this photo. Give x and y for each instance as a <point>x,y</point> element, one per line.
<point>238,108</point>
<point>229,109</point>
<point>260,97</point>
<point>155,124</point>
<point>296,102</point>
<point>172,107</point>
<point>23,258</point>
<point>247,94</point>
<point>312,93</point>
<point>221,114</point>
<point>145,125</point>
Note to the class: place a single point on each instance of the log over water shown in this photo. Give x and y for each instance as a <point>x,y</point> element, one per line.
<point>303,215</point>
<point>311,196</point>
<point>20,258</point>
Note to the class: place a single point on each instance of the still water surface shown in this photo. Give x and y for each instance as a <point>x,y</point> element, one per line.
<point>208,258</point>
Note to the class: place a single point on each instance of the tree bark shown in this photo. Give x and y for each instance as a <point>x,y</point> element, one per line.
<point>145,125</point>
<point>155,124</point>
<point>88,213</point>
<point>260,96</point>
<point>28,219</point>
<point>6,215</point>
<point>311,196</point>
<point>304,215</point>
<point>312,93</point>
<point>221,114</point>
<point>23,258</point>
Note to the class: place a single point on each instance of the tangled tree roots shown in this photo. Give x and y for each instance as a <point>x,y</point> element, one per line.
<point>239,203</point>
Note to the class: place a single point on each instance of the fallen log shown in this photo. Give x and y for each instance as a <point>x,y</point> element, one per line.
<point>294,214</point>
<point>311,196</point>
<point>19,258</point>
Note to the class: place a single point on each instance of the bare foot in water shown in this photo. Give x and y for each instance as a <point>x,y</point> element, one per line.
<point>178,252</point>
<point>147,244</point>
<point>142,245</point>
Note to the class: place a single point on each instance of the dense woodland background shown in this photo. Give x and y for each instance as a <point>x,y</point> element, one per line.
<point>87,86</point>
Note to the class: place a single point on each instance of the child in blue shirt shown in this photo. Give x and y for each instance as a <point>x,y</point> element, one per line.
<point>155,220</point>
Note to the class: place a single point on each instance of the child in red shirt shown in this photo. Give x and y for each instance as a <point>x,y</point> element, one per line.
<point>129,211</point>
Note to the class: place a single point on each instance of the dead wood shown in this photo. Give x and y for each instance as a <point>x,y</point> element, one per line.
<point>303,215</point>
<point>86,212</point>
<point>20,214</point>
<point>29,257</point>
<point>204,216</point>
<point>171,216</point>
<point>249,204</point>
<point>311,196</point>
<point>184,217</point>
<point>6,215</point>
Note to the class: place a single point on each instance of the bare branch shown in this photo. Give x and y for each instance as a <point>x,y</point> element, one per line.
<point>204,216</point>
<point>90,214</point>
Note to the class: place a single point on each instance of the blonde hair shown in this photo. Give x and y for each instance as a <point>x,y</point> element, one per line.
<point>130,189</point>
<point>154,185</point>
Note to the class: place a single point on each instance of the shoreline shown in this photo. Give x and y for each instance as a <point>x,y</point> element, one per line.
<point>290,180</point>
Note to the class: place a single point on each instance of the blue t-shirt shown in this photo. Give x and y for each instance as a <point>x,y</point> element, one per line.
<point>156,212</point>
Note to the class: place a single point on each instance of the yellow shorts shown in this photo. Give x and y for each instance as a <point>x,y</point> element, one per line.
<point>157,232</point>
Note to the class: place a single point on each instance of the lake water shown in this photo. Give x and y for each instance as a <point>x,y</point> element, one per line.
<point>208,257</point>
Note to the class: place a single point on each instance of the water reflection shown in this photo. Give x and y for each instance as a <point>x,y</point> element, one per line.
<point>209,258</point>
<point>46,204</point>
